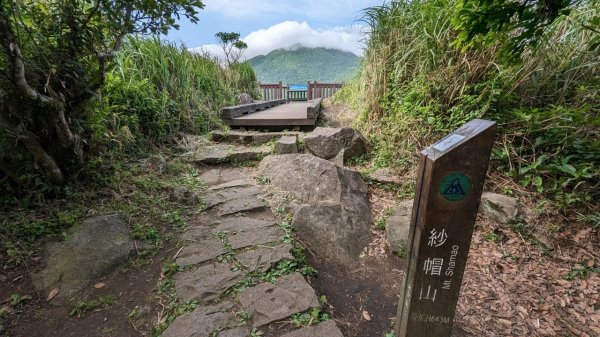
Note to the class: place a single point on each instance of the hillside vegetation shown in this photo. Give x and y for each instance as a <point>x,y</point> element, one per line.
<point>414,86</point>
<point>298,65</point>
<point>155,91</point>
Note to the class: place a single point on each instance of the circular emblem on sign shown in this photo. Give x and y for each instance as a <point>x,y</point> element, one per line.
<point>455,186</point>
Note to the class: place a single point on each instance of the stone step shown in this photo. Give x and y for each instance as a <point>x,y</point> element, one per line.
<point>324,329</point>
<point>245,137</point>
<point>268,302</point>
<point>224,153</point>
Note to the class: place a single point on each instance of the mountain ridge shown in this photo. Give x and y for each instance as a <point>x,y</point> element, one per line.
<point>299,64</point>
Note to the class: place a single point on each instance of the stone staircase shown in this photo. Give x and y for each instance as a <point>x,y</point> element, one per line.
<point>236,240</point>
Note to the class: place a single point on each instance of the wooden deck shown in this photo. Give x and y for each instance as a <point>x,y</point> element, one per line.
<point>285,115</point>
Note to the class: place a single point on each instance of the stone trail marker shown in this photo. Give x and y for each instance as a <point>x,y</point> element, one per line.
<point>449,184</point>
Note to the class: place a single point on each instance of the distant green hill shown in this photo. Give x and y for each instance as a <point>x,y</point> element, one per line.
<point>301,64</point>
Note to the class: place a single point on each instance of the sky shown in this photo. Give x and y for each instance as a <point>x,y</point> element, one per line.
<point>266,25</point>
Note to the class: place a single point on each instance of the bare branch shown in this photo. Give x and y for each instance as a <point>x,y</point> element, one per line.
<point>15,60</point>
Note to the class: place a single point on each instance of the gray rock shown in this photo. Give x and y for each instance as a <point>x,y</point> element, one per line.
<point>338,159</point>
<point>328,142</point>
<point>245,98</point>
<point>237,332</point>
<point>286,144</point>
<point>398,226</point>
<point>263,258</point>
<point>222,153</point>
<point>93,248</point>
<point>200,251</point>
<point>3,278</point>
<point>324,329</point>
<point>202,321</point>
<point>247,137</point>
<point>256,237</point>
<point>241,205</point>
<point>206,283</point>
<point>234,183</point>
<point>240,224</point>
<point>214,198</point>
<point>384,176</point>
<point>221,175</point>
<point>183,195</point>
<point>267,302</point>
<point>335,217</point>
<point>500,208</point>
<point>328,231</point>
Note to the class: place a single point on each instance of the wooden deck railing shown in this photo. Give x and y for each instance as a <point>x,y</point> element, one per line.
<point>271,91</point>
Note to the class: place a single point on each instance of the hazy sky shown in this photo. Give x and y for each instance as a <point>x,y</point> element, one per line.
<point>267,25</point>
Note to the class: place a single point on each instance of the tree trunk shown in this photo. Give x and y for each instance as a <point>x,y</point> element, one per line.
<point>43,158</point>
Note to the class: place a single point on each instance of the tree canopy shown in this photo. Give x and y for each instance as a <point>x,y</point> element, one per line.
<point>55,56</point>
<point>514,23</point>
<point>232,46</point>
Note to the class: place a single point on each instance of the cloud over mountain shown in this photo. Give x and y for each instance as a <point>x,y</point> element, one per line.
<point>289,33</point>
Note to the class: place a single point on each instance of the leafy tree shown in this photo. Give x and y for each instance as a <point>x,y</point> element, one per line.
<point>55,56</point>
<point>232,46</point>
<point>515,24</point>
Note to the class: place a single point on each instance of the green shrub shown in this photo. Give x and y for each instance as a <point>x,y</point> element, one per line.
<point>159,89</point>
<point>414,87</point>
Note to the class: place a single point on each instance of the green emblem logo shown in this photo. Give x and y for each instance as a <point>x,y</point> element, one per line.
<point>455,186</point>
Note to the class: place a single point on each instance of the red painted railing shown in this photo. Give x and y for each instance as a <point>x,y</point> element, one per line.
<point>271,91</point>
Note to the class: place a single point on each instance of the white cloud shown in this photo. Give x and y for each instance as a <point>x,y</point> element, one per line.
<point>290,33</point>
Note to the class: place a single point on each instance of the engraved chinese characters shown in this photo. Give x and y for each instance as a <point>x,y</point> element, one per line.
<point>449,185</point>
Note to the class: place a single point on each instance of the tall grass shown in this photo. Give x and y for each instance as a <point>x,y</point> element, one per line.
<point>158,88</point>
<point>414,86</point>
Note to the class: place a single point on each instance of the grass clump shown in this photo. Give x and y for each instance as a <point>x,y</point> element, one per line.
<point>82,306</point>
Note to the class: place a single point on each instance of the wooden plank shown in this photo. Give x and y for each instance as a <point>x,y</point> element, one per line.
<point>313,110</point>
<point>238,110</point>
<point>296,110</point>
<point>449,185</point>
<point>271,122</point>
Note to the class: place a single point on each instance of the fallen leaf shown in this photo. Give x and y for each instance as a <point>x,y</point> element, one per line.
<point>99,285</point>
<point>365,315</point>
<point>590,263</point>
<point>505,321</point>
<point>52,294</point>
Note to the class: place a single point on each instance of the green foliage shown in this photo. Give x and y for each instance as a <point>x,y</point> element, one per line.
<point>80,306</point>
<point>414,88</point>
<point>381,224</point>
<point>18,299</point>
<point>159,89</point>
<point>55,55</point>
<point>311,317</point>
<point>233,47</point>
<point>515,24</point>
<point>299,65</point>
<point>582,270</point>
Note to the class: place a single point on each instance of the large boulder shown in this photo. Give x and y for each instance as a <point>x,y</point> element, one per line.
<point>93,248</point>
<point>327,143</point>
<point>333,214</point>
